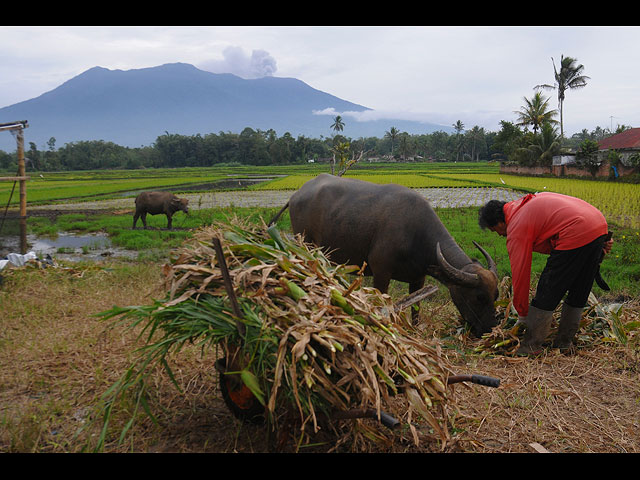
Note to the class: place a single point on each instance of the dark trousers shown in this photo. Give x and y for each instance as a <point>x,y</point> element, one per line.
<point>571,272</point>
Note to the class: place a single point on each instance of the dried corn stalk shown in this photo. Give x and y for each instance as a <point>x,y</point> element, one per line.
<point>315,340</point>
<point>600,323</point>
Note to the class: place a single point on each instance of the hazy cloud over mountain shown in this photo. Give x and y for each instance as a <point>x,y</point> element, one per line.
<point>238,62</point>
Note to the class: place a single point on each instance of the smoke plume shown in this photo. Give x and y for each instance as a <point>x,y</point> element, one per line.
<point>236,61</point>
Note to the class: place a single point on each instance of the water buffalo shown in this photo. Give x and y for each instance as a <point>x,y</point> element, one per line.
<point>156,203</point>
<point>396,232</point>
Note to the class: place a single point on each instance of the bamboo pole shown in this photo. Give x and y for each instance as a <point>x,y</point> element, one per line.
<point>23,192</point>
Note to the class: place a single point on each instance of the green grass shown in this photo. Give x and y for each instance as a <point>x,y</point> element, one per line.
<point>411,180</point>
<point>118,227</point>
<point>621,269</point>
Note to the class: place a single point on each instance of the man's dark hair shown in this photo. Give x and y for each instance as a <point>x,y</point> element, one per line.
<point>491,214</point>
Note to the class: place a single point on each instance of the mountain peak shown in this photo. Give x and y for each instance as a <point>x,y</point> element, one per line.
<point>134,107</point>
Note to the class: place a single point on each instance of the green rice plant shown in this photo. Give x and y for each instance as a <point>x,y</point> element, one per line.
<point>47,190</point>
<point>619,202</point>
<point>290,182</point>
<point>294,182</point>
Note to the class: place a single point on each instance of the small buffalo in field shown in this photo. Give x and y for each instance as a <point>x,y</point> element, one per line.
<point>156,203</point>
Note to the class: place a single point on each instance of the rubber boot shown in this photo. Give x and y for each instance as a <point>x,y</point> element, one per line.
<point>538,323</point>
<point>568,326</point>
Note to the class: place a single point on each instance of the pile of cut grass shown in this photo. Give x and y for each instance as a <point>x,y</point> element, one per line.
<point>306,340</point>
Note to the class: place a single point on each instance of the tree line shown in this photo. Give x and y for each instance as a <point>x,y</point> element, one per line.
<point>256,147</point>
<point>532,140</point>
<point>251,147</point>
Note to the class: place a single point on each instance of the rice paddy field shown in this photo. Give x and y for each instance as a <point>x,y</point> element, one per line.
<point>620,202</point>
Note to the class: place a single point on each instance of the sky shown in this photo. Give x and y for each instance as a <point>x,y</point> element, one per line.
<point>479,75</point>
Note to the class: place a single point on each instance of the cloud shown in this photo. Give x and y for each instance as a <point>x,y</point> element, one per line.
<point>367,115</point>
<point>374,115</point>
<point>236,61</point>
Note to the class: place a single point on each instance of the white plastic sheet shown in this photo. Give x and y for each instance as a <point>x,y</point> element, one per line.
<point>17,259</point>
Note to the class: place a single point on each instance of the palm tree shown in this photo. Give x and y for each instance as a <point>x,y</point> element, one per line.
<point>568,78</point>
<point>541,148</point>
<point>405,144</point>
<point>458,126</point>
<point>535,112</point>
<point>392,134</point>
<point>338,124</point>
<point>476,135</point>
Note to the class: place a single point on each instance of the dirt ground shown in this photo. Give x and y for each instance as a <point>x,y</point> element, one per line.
<point>581,403</point>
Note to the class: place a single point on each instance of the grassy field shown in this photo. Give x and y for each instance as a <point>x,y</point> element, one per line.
<point>67,186</point>
<point>619,202</point>
<point>621,268</point>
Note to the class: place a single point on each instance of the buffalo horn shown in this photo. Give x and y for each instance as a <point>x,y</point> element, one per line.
<point>491,265</point>
<point>455,275</point>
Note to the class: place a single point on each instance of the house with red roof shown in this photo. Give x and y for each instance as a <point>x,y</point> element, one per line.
<point>625,143</point>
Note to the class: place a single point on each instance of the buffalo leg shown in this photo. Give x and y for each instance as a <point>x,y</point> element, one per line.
<point>168,222</point>
<point>381,271</point>
<point>381,282</point>
<point>415,309</point>
<point>143,217</point>
<point>135,219</point>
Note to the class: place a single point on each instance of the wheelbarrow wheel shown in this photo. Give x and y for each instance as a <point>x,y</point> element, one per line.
<point>240,400</point>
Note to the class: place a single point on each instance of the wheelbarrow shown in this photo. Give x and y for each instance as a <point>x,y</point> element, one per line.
<point>243,404</point>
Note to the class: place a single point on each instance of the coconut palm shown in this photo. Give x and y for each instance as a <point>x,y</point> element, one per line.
<point>541,148</point>
<point>569,77</point>
<point>458,126</point>
<point>392,134</point>
<point>338,124</point>
<point>535,112</point>
<point>476,137</point>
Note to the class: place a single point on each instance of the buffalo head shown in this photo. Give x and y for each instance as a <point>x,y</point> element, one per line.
<point>474,290</point>
<point>178,204</point>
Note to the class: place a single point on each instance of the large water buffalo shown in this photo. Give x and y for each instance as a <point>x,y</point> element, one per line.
<point>396,232</point>
<point>156,203</point>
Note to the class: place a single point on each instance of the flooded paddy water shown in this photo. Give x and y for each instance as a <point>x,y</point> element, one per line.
<point>84,246</point>
<point>66,246</point>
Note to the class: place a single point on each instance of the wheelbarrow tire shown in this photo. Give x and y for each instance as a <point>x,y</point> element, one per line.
<point>240,400</point>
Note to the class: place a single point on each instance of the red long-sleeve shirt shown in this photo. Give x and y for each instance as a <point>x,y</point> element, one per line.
<point>543,222</point>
